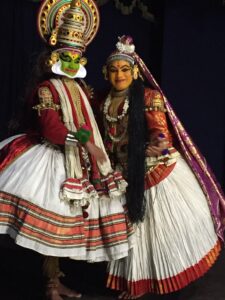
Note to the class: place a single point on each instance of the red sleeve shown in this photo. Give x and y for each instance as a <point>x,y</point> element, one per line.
<point>155,115</point>
<point>51,127</point>
<point>49,119</point>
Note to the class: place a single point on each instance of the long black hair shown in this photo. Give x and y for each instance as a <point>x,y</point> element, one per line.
<point>137,128</point>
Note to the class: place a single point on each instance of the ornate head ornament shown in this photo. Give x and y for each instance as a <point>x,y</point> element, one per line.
<point>68,25</point>
<point>125,50</point>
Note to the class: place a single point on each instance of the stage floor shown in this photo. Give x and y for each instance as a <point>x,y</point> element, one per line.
<point>21,278</point>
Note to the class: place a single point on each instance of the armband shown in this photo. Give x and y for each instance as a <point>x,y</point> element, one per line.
<point>156,104</point>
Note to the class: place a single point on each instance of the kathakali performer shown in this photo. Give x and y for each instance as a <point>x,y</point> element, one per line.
<point>59,195</point>
<point>172,196</point>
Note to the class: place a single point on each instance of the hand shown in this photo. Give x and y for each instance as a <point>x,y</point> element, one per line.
<point>97,152</point>
<point>154,151</point>
<point>156,147</point>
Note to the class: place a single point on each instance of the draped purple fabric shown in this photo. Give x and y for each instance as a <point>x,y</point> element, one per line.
<point>194,158</point>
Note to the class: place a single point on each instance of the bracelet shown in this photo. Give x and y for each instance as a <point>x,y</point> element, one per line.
<point>71,139</point>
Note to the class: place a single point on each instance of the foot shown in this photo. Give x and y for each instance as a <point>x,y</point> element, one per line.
<point>65,291</point>
<point>53,294</point>
<point>127,295</point>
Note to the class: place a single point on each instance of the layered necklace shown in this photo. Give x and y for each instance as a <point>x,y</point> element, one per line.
<point>111,127</point>
<point>108,103</point>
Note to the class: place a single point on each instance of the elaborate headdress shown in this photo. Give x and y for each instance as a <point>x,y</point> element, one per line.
<point>66,24</point>
<point>124,50</point>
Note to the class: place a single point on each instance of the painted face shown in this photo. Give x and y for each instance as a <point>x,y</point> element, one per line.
<point>120,74</point>
<point>70,62</point>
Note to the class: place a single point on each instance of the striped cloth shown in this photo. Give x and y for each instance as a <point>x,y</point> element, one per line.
<point>176,243</point>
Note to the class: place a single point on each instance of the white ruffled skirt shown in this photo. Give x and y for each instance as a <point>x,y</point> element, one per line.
<point>175,244</point>
<point>32,213</point>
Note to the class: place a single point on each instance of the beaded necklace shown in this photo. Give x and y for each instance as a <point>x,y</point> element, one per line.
<point>107,105</point>
<point>113,120</point>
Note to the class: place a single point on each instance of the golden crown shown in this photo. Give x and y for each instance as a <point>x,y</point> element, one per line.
<point>65,23</point>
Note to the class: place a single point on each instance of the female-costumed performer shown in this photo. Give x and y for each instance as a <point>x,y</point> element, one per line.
<point>172,195</point>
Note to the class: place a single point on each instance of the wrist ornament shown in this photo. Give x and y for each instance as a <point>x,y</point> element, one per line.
<point>83,134</point>
<point>71,139</point>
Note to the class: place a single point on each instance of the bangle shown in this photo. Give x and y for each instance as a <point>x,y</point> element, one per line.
<point>161,135</point>
<point>165,152</point>
<point>71,139</point>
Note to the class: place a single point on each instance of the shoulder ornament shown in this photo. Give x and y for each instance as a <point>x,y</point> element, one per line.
<point>46,100</point>
<point>156,102</point>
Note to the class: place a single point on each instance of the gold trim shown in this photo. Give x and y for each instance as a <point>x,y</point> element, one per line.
<point>45,27</point>
<point>46,100</point>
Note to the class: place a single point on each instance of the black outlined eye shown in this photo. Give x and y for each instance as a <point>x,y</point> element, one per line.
<point>66,58</point>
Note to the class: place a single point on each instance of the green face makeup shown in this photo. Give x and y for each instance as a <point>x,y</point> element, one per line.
<point>70,62</point>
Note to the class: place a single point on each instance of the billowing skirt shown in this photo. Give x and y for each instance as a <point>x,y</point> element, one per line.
<point>175,244</point>
<point>32,213</point>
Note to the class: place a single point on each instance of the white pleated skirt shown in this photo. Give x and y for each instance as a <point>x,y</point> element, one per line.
<point>32,213</point>
<point>175,244</point>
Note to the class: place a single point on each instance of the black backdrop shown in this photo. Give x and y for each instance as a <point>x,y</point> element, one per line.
<point>184,50</point>
<point>193,73</point>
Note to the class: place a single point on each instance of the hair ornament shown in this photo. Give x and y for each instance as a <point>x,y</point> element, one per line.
<point>125,44</point>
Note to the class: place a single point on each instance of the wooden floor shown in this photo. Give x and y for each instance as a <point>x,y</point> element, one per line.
<point>21,278</point>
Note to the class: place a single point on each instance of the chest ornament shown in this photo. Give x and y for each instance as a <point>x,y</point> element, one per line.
<point>118,117</point>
